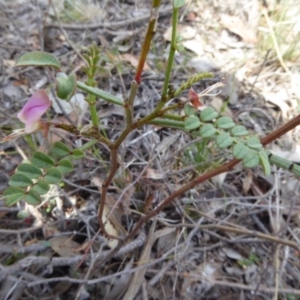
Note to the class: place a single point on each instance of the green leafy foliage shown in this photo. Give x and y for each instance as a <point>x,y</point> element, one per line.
<point>254,142</point>
<point>65,166</point>
<point>239,150</point>
<point>38,59</point>
<point>33,197</point>
<point>42,160</point>
<point>60,149</point>
<point>178,3</point>
<point>92,57</point>
<point>42,186</point>
<point>189,109</point>
<point>224,140</point>
<point>239,130</point>
<point>66,85</point>
<point>251,159</point>
<point>29,170</point>
<point>32,180</point>
<point>53,176</point>
<point>229,135</point>
<point>207,130</point>
<point>13,195</point>
<point>20,180</point>
<point>264,162</point>
<point>77,154</point>
<point>192,122</point>
<point>225,123</point>
<point>191,80</point>
<point>208,114</point>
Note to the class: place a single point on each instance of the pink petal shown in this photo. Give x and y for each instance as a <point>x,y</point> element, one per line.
<point>32,111</point>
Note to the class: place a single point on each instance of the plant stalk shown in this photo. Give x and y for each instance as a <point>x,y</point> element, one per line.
<point>100,94</point>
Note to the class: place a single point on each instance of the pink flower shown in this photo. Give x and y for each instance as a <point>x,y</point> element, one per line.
<point>35,107</point>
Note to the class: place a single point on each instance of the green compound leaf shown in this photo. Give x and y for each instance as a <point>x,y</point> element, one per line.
<point>239,130</point>
<point>191,123</point>
<point>251,159</point>
<point>29,170</point>
<point>189,110</point>
<point>41,160</point>
<point>39,59</point>
<point>33,197</point>
<point>20,180</point>
<point>178,3</point>
<point>224,140</point>
<point>240,150</point>
<point>53,176</point>
<point>42,187</point>
<point>65,166</point>
<point>208,114</point>
<point>66,85</point>
<point>264,161</point>
<point>254,143</point>
<point>207,130</point>
<point>60,149</point>
<point>13,195</point>
<point>225,123</point>
<point>77,154</point>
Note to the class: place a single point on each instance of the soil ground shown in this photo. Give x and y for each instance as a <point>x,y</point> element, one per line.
<point>229,238</point>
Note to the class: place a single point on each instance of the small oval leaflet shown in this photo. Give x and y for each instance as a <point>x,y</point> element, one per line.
<point>13,195</point>
<point>39,59</point>
<point>224,140</point>
<point>13,199</point>
<point>207,130</point>
<point>77,154</point>
<point>208,114</point>
<point>225,123</point>
<point>41,186</point>
<point>240,150</point>
<point>254,143</point>
<point>191,123</point>
<point>41,160</point>
<point>20,180</point>
<point>60,149</point>
<point>189,109</point>
<point>251,159</point>
<point>65,166</point>
<point>33,197</point>
<point>239,130</point>
<point>12,191</point>
<point>53,176</point>
<point>29,170</point>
